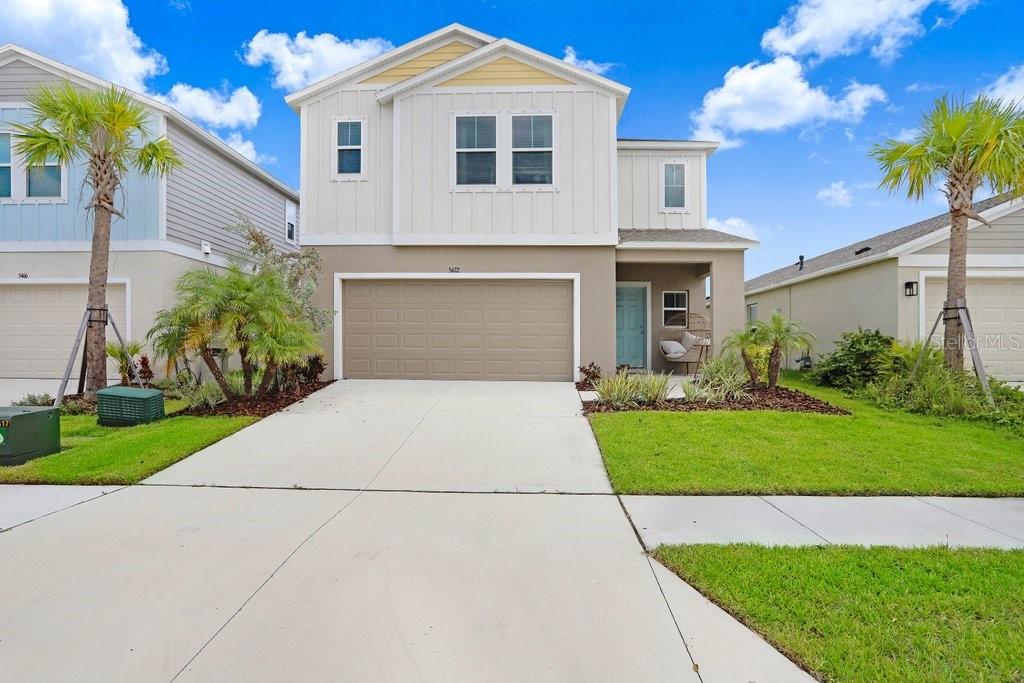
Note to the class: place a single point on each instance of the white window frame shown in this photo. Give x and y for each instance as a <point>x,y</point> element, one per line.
<point>291,216</point>
<point>335,147</point>
<point>455,149</point>
<point>751,312</point>
<point>9,164</point>
<point>685,309</point>
<point>553,186</point>
<point>503,152</point>
<point>661,185</point>
<point>19,180</point>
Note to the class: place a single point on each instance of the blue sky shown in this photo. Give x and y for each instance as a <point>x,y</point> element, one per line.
<point>799,89</point>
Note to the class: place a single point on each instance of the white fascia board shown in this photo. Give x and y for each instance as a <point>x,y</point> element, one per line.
<point>655,145</point>
<point>494,49</point>
<point>505,240</point>
<point>404,51</point>
<point>941,234</point>
<point>12,52</point>
<point>167,246</point>
<point>973,261</point>
<point>735,246</point>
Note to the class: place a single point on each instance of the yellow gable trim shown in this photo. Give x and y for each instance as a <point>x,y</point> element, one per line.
<point>425,62</point>
<point>505,71</point>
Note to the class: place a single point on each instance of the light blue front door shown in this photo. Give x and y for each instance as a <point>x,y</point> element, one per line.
<point>631,326</point>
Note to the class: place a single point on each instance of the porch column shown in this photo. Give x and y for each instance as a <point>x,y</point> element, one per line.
<point>728,312</point>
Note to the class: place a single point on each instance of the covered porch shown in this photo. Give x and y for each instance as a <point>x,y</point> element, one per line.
<point>676,285</point>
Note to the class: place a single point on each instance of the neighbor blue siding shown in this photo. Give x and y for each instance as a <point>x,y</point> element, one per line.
<point>139,199</point>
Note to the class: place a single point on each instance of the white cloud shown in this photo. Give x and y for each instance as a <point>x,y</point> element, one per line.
<point>773,96</point>
<point>831,28</point>
<point>836,194</point>
<point>1009,86</point>
<point>218,108</point>
<point>304,59</point>
<point>599,68</point>
<point>93,35</point>
<point>247,148</point>
<point>734,226</point>
<point>924,87</point>
<point>908,134</point>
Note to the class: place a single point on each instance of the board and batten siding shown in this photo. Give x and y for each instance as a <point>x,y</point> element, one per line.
<point>204,194</point>
<point>640,179</point>
<point>580,204</point>
<point>1006,236</point>
<point>70,221</point>
<point>350,207</point>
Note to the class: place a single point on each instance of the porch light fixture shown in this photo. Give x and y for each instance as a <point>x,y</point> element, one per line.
<point>910,288</point>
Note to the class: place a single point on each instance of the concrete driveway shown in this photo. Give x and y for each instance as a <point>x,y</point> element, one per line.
<point>377,530</point>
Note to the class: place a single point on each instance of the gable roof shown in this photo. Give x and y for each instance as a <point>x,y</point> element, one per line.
<point>886,245</point>
<point>503,47</point>
<point>11,52</point>
<point>391,58</point>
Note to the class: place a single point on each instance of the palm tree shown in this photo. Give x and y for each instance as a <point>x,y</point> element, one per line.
<point>107,131</point>
<point>125,357</point>
<point>963,146</point>
<point>745,341</point>
<point>781,336</point>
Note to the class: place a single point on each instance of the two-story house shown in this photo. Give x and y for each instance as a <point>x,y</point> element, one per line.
<point>478,217</point>
<point>170,225</point>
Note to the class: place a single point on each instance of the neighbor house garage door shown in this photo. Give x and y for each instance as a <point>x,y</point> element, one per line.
<point>457,329</point>
<point>38,324</point>
<point>997,311</point>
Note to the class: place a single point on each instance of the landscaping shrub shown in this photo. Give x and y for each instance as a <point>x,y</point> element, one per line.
<point>313,369</point>
<point>125,357</point>
<point>591,372</point>
<point>859,358</point>
<point>624,390</point>
<point>723,379</point>
<point>34,400</point>
<point>691,390</point>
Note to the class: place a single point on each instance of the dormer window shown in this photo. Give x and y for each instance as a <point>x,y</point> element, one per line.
<point>673,187</point>
<point>476,150</point>
<point>349,149</point>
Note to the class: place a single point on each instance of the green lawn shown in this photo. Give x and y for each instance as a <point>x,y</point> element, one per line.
<point>872,451</point>
<point>872,614</point>
<point>91,454</point>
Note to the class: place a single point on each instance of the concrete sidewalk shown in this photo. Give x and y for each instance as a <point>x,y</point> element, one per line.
<point>819,520</point>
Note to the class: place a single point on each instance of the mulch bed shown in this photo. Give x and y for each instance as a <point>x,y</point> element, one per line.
<point>761,398</point>
<point>259,407</point>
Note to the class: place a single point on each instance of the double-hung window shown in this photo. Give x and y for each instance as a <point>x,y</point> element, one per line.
<point>532,150</point>
<point>476,150</point>
<point>675,304</point>
<point>349,149</point>
<point>289,222</point>
<point>6,168</point>
<point>44,181</point>
<point>673,188</point>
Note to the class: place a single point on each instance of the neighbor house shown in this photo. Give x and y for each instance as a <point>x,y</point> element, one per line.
<point>169,225</point>
<point>896,282</point>
<point>479,218</point>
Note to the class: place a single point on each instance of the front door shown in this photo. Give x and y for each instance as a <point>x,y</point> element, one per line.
<point>631,326</point>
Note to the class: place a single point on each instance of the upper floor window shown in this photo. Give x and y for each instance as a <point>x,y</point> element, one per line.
<point>673,189</point>
<point>5,165</point>
<point>289,221</point>
<point>476,150</point>
<point>349,148</point>
<point>532,150</point>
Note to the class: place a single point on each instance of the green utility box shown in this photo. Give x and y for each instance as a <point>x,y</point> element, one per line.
<point>126,406</point>
<point>27,433</point>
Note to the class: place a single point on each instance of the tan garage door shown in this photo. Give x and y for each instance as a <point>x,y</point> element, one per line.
<point>463,329</point>
<point>38,324</point>
<point>997,311</point>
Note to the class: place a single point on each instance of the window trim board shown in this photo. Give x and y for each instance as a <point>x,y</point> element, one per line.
<point>363,131</point>
<point>503,152</point>
<point>667,161</point>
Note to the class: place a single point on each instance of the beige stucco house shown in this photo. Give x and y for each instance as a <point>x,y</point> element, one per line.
<point>896,282</point>
<point>479,218</point>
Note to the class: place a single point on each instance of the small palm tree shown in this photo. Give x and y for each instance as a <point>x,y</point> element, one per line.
<point>781,336</point>
<point>963,146</point>
<point>745,340</point>
<point>107,131</point>
<point>125,357</point>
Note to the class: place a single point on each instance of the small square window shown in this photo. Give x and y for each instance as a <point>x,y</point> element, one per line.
<point>43,181</point>
<point>675,307</point>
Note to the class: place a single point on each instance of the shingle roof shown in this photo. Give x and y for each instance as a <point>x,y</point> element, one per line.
<point>704,235</point>
<point>863,250</point>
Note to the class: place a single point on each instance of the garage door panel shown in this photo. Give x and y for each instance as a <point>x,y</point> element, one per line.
<point>997,311</point>
<point>39,324</point>
<point>458,330</point>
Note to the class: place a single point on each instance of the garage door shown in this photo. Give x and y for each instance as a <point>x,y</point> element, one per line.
<point>997,311</point>
<point>461,329</point>
<point>38,324</point>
